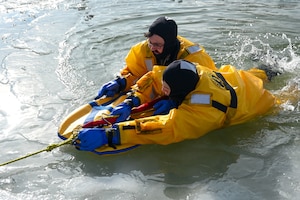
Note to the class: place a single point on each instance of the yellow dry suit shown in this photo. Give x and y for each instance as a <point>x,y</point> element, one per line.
<point>221,98</point>
<point>140,59</point>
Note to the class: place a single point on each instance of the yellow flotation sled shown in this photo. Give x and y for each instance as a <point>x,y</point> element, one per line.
<point>97,114</point>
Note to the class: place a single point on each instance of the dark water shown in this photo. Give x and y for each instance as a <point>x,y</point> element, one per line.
<point>56,54</point>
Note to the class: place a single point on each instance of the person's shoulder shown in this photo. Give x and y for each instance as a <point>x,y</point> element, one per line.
<point>181,38</point>
<point>184,41</point>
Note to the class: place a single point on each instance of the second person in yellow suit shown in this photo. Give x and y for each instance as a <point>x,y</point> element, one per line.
<point>205,100</point>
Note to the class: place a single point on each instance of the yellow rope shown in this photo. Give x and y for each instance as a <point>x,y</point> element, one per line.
<point>48,148</point>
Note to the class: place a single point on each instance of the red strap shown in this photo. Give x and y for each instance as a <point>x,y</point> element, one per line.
<point>111,120</point>
<point>102,122</point>
<point>147,106</point>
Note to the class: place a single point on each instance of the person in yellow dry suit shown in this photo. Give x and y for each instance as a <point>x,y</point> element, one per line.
<point>205,100</point>
<point>162,46</point>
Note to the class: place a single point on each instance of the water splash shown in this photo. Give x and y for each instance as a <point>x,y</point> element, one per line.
<point>270,49</point>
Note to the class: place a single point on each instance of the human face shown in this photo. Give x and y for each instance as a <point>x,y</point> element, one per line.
<point>165,88</point>
<point>156,44</point>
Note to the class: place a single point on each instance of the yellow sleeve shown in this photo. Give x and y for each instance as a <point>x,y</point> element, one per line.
<point>187,122</point>
<point>149,86</point>
<point>135,66</point>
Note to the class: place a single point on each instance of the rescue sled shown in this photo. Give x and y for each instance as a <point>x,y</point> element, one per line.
<point>97,114</point>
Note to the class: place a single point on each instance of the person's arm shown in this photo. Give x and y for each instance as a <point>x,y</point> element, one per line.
<point>186,122</point>
<point>134,69</point>
<point>135,66</point>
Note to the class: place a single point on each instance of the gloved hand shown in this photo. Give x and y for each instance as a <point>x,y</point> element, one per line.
<point>90,139</point>
<point>164,106</point>
<point>112,87</point>
<point>124,108</point>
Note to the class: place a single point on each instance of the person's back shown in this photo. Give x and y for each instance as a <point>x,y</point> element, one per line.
<point>253,99</point>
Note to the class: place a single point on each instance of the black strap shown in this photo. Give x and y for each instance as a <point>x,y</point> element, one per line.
<point>128,127</point>
<point>110,135</point>
<point>233,101</point>
<point>219,106</point>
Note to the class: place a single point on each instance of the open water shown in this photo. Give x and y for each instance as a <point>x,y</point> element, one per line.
<point>55,54</point>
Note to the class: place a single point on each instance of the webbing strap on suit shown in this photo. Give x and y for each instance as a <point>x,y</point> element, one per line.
<point>233,101</point>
